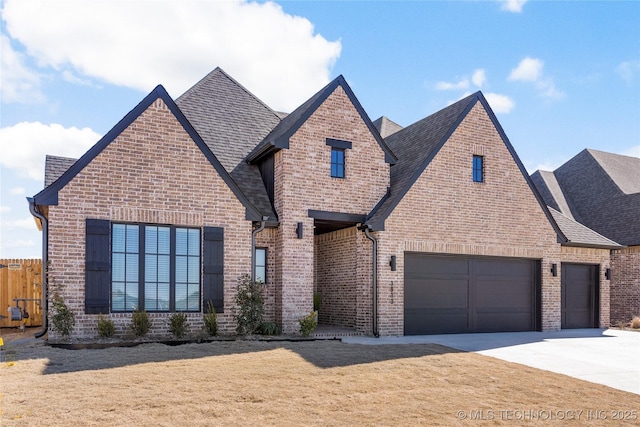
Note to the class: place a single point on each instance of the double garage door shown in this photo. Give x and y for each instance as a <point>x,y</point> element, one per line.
<point>461,294</point>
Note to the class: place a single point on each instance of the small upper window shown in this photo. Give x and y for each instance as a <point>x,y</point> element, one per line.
<point>337,162</point>
<point>478,169</point>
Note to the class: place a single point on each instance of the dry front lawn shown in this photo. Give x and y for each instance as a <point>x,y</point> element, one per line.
<point>291,383</point>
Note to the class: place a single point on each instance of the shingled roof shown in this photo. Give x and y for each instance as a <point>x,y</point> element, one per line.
<point>54,167</point>
<point>231,121</point>
<point>602,192</point>
<point>550,190</point>
<point>386,126</point>
<point>579,235</point>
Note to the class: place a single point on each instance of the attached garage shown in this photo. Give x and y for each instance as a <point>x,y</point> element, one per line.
<point>580,292</point>
<point>461,294</point>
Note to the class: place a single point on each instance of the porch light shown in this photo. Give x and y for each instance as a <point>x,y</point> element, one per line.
<point>299,230</point>
<point>554,269</point>
<point>392,263</point>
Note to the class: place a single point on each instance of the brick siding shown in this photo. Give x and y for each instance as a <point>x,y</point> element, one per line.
<point>625,284</point>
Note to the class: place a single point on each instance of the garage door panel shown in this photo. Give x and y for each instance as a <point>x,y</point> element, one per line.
<point>421,322</point>
<point>437,265</point>
<point>503,322</point>
<point>502,294</point>
<point>439,294</point>
<point>458,294</point>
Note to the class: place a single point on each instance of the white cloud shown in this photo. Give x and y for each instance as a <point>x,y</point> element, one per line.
<point>479,77</point>
<point>633,151</point>
<point>500,103</point>
<point>528,70</point>
<point>18,84</point>
<point>25,145</point>
<point>512,5</point>
<point>17,191</point>
<point>5,209</point>
<point>628,70</point>
<point>140,44</point>
<point>27,223</point>
<point>462,84</point>
<point>531,70</point>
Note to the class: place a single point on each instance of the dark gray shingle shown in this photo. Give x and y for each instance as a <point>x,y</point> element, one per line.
<point>54,167</point>
<point>579,235</point>
<point>597,187</point>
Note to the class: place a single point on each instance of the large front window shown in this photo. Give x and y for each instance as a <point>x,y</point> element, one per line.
<point>155,268</point>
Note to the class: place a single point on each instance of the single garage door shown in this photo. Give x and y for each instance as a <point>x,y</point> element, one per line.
<point>579,296</point>
<point>459,294</point>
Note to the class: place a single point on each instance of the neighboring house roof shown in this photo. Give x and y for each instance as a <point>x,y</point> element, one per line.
<point>49,196</point>
<point>386,127</point>
<point>278,138</point>
<point>54,167</point>
<point>579,235</point>
<point>602,192</point>
<point>416,146</point>
<point>231,121</point>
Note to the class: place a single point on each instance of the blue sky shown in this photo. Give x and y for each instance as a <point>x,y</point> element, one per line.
<point>561,76</point>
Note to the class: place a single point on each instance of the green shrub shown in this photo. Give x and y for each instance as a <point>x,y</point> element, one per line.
<point>210,319</point>
<point>140,323</point>
<point>268,328</point>
<point>62,318</point>
<point>106,328</point>
<point>308,324</point>
<point>178,325</point>
<point>317,300</point>
<point>250,305</point>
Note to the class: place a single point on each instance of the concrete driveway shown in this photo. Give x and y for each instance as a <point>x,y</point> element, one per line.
<point>603,356</point>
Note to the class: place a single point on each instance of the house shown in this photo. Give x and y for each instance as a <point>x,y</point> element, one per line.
<point>602,191</point>
<point>434,228</point>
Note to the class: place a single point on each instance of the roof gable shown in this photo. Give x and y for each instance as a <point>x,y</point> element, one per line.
<point>49,196</point>
<point>278,138</point>
<point>417,145</point>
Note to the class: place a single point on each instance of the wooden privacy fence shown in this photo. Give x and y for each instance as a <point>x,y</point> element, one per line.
<point>21,278</point>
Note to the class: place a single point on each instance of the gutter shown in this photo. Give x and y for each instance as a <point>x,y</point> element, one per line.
<point>263,224</point>
<point>375,278</point>
<point>45,265</point>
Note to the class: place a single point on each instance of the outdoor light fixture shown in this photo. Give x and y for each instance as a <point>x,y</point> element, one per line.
<point>392,263</point>
<point>299,230</point>
<point>607,274</point>
<point>554,269</point>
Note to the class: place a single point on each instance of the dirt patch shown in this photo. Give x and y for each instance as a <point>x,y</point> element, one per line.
<point>290,383</point>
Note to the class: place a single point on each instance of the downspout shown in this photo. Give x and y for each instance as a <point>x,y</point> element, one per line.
<point>263,224</point>
<point>375,279</point>
<point>45,265</point>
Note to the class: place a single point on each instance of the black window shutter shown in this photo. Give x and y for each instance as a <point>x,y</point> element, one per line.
<point>213,268</point>
<point>97,266</point>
